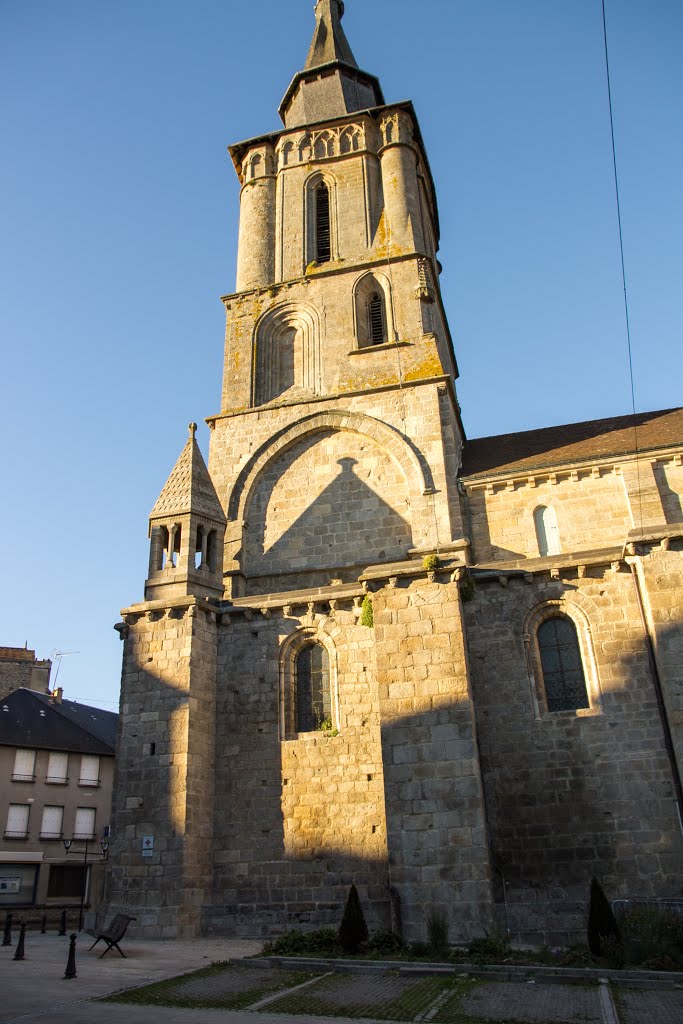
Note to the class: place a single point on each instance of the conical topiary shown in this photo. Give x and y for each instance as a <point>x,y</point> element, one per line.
<point>602,924</point>
<point>353,931</point>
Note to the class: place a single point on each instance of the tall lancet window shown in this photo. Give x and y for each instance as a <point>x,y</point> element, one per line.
<point>323,244</point>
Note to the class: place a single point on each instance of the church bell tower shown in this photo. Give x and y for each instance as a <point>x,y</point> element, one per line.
<point>292,743</point>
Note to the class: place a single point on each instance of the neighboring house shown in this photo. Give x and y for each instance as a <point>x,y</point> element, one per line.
<point>56,772</point>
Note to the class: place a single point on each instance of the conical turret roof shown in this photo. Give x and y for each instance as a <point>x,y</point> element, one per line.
<point>331,84</point>
<point>189,487</point>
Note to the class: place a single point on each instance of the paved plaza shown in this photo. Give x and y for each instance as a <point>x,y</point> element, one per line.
<point>35,989</point>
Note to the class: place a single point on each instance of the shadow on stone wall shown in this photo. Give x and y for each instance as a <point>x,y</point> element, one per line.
<point>346,519</point>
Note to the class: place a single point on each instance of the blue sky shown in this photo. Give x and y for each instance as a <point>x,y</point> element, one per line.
<point>118,230</point>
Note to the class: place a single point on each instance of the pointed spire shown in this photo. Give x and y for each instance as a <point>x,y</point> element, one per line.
<point>329,42</point>
<point>331,83</point>
<point>189,487</point>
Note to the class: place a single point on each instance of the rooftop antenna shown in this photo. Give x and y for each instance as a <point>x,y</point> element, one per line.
<point>58,655</point>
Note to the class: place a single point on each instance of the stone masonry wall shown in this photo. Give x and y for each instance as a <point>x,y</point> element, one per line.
<point>436,826</point>
<point>570,794</point>
<point>299,819</point>
<point>164,770</point>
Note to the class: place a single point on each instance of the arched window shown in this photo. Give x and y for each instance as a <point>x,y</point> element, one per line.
<point>323,243</point>
<point>547,534</point>
<point>564,681</point>
<point>377,331</point>
<point>313,696</point>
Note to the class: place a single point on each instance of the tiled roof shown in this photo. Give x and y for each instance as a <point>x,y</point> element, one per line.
<point>573,442</point>
<point>38,721</point>
<point>189,487</point>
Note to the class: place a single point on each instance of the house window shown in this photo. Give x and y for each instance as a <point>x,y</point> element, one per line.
<point>51,825</point>
<point>24,766</point>
<point>90,770</point>
<point>84,826</point>
<point>17,821</point>
<point>547,534</point>
<point>313,698</point>
<point>323,244</point>
<point>67,881</point>
<point>57,768</point>
<point>377,332</point>
<point>564,681</point>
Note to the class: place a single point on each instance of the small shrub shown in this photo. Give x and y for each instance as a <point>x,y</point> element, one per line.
<point>419,949</point>
<point>578,955</point>
<point>323,942</point>
<point>602,924</point>
<point>430,563</point>
<point>353,931</point>
<point>492,949</point>
<point>385,943</point>
<point>366,615</point>
<point>437,931</point>
<point>467,589</point>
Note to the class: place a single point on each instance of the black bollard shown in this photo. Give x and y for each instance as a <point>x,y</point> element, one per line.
<point>19,955</point>
<point>7,935</point>
<point>43,925</point>
<point>70,971</point>
<point>62,923</point>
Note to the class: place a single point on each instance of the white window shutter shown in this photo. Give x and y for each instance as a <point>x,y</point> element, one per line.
<point>17,819</point>
<point>52,822</point>
<point>24,764</point>
<point>84,827</point>
<point>57,767</point>
<point>90,770</point>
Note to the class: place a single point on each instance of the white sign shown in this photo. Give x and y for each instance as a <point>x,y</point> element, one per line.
<point>148,846</point>
<point>10,884</point>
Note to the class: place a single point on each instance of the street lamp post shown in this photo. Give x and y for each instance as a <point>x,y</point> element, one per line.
<point>104,843</point>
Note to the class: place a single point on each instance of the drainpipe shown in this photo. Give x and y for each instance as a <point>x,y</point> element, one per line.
<point>656,679</point>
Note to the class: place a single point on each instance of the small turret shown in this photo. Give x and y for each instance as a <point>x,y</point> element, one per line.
<point>186,529</point>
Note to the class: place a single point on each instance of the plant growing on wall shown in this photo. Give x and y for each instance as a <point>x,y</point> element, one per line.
<point>353,931</point>
<point>603,930</point>
<point>366,614</point>
<point>430,563</point>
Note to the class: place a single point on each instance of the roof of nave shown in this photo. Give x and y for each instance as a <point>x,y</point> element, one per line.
<point>42,722</point>
<point>189,487</point>
<point>573,442</point>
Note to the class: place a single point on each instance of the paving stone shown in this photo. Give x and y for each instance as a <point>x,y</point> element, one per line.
<point>530,1003</point>
<point>642,1006</point>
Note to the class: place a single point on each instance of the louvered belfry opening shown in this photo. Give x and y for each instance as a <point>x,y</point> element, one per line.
<point>376,326</point>
<point>323,249</point>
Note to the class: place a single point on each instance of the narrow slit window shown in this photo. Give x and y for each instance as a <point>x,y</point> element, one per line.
<point>376,320</point>
<point>323,248</point>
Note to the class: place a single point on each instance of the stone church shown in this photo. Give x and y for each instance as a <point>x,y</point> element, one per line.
<point>373,651</point>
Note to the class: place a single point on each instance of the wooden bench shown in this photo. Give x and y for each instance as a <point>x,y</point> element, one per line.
<point>113,934</point>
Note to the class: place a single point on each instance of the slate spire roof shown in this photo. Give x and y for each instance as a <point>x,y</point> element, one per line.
<point>189,487</point>
<point>329,41</point>
<point>330,84</point>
